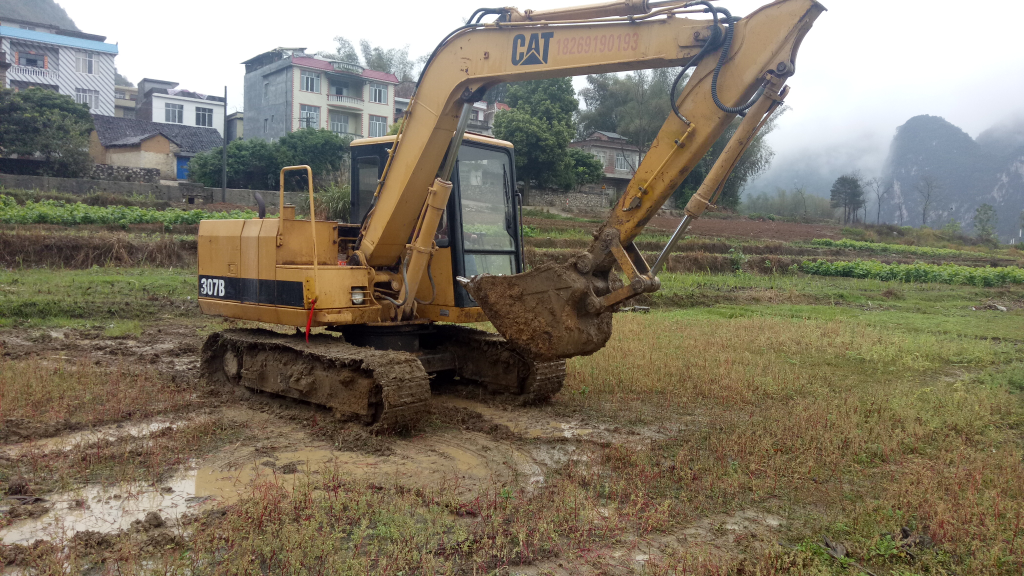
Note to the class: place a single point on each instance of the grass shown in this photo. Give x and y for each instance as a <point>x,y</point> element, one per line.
<point>96,296</point>
<point>847,407</point>
<point>74,394</point>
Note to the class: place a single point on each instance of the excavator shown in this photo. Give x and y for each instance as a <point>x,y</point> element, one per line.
<point>435,238</point>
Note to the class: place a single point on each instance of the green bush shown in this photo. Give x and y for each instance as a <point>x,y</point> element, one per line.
<point>927,273</point>
<point>67,214</point>
<point>333,202</point>
<point>893,248</point>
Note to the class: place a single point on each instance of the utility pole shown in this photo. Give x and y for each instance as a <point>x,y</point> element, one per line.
<point>224,153</point>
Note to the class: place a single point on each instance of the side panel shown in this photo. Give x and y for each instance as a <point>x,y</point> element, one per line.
<point>249,260</point>
<point>220,247</point>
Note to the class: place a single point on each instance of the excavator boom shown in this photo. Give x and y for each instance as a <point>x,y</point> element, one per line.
<point>562,311</point>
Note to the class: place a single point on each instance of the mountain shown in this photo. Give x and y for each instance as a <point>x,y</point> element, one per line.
<point>41,11</point>
<point>966,173</point>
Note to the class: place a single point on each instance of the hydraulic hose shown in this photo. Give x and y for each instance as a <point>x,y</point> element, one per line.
<point>711,44</point>
<point>731,24</point>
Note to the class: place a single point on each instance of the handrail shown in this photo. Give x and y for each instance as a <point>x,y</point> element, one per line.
<point>312,214</point>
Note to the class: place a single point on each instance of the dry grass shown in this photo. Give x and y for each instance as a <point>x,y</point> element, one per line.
<point>41,397</point>
<point>59,250</point>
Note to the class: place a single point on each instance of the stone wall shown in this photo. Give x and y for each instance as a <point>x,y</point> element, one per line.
<point>570,201</point>
<point>125,174</point>
<point>84,187</point>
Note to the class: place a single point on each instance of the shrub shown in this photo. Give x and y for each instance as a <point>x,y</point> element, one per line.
<point>66,214</point>
<point>878,248</point>
<point>944,274</point>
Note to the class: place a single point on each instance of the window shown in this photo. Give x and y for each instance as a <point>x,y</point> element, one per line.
<point>264,125</point>
<point>204,116</point>
<point>84,63</point>
<point>339,123</point>
<point>378,93</point>
<point>489,229</point>
<point>86,96</point>
<point>129,113</point>
<point>620,161</point>
<point>266,91</point>
<point>23,27</point>
<point>174,113</point>
<point>367,173</point>
<point>474,115</point>
<point>31,60</point>
<point>378,126</point>
<point>309,116</point>
<point>120,95</point>
<point>310,82</point>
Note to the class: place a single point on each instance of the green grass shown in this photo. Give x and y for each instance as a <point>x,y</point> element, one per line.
<point>97,296</point>
<point>915,308</point>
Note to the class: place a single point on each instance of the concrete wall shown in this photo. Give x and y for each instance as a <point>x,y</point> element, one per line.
<point>83,187</point>
<point>189,115</point>
<point>274,107</point>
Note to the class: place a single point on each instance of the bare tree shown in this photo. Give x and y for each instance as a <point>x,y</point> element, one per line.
<point>928,189</point>
<point>879,191</point>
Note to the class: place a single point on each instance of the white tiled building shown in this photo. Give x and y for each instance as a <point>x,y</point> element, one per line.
<point>73,63</point>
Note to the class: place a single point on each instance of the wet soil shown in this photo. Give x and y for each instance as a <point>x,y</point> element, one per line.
<point>468,442</point>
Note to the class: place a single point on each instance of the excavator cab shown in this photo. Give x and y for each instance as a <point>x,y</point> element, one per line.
<point>480,231</point>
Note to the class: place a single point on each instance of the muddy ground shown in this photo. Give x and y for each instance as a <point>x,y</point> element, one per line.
<point>469,442</point>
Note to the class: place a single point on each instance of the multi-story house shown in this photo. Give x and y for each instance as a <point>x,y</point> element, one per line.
<point>73,63</point>
<point>287,90</point>
<point>163,101</point>
<point>125,99</point>
<point>619,157</point>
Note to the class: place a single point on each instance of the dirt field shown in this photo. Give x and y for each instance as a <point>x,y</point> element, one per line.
<point>749,229</point>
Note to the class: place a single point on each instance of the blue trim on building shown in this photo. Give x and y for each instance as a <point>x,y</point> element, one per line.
<point>57,39</point>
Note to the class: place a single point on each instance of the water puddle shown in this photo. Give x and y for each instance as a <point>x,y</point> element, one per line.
<point>67,442</point>
<point>465,462</point>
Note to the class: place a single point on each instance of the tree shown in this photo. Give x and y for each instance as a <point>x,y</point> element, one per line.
<point>879,191</point>
<point>985,221</point>
<point>636,106</point>
<point>256,164</point>
<point>344,51</point>
<point>848,194</point>
<point>928,189</point>
<point>540,124</point>
<point>48,125</point>
<point>121,80</point>
<point>584,169</point>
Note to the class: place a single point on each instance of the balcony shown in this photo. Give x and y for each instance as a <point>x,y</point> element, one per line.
<point>32,73</point>
<point>345,100</point>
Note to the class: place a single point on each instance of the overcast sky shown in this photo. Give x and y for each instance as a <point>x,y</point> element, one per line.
<point>864,69</point>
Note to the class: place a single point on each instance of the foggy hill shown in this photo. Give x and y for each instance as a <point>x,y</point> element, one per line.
<point>816,169</point>
<point>42,11</point>
<point>967,172</point>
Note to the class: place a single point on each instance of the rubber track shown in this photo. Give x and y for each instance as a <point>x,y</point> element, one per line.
<point>544,379</point>
<point>402,384</point>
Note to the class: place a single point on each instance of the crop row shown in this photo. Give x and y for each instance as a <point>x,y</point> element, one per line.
<point>72,214</point>
<point>944,274</point>
<point>894,248</point>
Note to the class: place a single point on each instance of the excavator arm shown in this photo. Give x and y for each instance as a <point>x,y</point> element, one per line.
<point>562,311</point>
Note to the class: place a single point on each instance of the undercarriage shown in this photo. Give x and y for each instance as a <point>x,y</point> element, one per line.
<point>378,375</point>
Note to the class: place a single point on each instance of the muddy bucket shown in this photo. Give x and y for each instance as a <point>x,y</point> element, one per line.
<point>543,312</point>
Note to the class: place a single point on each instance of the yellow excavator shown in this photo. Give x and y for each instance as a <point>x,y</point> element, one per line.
<point>435,240</point>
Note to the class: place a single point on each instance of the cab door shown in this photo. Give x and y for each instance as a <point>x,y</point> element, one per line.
<point>484,216</point>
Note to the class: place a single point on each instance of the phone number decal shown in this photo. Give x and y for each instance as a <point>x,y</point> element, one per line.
<point>599,44</point>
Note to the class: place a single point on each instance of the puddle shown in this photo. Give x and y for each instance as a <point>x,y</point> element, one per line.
<point>466,463</point>
<point>91,436</point>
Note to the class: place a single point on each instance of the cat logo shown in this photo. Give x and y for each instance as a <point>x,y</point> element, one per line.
<point>526,53</point>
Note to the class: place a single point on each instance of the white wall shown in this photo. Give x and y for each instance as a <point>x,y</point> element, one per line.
<point>189,118</point>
